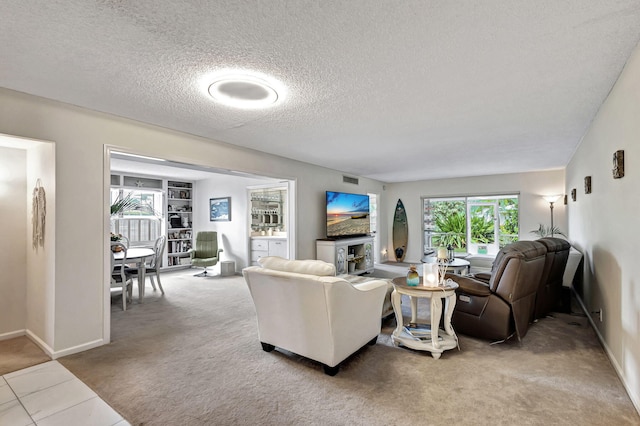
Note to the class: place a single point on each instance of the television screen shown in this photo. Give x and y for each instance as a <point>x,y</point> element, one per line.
<point>347,215</point>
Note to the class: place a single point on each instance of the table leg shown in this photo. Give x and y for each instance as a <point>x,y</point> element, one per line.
<point>141,280</point>
<point>414,309</point>
<point>436,312</point>
<point>396,302</point>
<point>450,303</point>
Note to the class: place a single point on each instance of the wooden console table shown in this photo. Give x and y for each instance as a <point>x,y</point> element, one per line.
<point>425,337</point>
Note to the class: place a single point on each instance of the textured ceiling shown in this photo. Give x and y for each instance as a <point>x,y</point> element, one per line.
<point>395,90</point>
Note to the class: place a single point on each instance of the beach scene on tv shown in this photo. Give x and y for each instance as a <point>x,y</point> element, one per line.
<point>347,214</point>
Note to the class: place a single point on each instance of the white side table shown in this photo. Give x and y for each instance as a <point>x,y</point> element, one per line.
<point>425,337</point>
<point>227,268</point>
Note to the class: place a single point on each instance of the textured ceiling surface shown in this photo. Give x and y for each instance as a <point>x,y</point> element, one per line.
<point>397,90</point>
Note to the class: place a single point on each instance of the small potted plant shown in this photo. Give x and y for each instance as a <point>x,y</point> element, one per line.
<point>115,238</point>
<point>547,231</point>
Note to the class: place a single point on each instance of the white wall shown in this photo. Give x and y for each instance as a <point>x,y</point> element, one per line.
<point>80,138</point>
<point>41,261</point>
<point>605,224</point>
<point>233,236</point>
<point>534,210</point>
<point>13,228</point>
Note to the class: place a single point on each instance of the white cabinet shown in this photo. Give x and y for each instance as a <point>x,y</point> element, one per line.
<point>267,246</point>
<point>278,248</point>
<point>349,255</point>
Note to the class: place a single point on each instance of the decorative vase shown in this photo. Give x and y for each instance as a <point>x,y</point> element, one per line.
<point>413,279</point>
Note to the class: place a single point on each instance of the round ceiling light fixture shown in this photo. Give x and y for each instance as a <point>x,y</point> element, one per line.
<point>243,91</point>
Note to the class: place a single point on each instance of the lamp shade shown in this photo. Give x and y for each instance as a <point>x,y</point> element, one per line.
<point>551,198</point>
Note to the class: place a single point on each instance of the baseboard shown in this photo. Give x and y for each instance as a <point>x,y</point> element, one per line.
<point>80,348</point>
<point>41,344</point>
<point>12,334</point>
<point>635,401</point>
<point>69,351</point>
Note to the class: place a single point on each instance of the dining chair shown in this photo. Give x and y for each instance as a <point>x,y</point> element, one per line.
<point>125,241</point>
<point>120,279</point>
<point>153,267</point>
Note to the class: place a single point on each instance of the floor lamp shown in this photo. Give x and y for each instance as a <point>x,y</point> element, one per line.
<point>551,199</point>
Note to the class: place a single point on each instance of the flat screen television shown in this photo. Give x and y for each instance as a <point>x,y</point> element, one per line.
<point>347,215</point>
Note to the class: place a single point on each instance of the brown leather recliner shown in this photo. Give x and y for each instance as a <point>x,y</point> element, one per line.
<point>502,307</point>
<point>549,296</point>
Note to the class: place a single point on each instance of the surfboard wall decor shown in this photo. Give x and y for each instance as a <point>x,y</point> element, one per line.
<point>400,232</point>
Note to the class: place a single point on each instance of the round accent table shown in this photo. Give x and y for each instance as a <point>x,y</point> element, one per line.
<point>425,337</point>
<point>457,266</point>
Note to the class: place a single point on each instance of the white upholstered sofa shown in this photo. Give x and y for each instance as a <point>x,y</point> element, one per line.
<point>302,307</point>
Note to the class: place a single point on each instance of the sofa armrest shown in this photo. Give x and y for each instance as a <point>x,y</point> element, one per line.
<point>470,286</point>
<point>368,285</point>
<point>483,276</point>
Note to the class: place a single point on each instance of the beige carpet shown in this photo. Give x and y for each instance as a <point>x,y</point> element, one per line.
<point>19,353</point>
<point>192,357</point>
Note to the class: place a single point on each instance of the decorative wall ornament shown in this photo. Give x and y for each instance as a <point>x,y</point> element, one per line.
<point>587,185</point>
<point>618,164</point>
<point>565,199</point>
<point>38,215</point>
<point>220,209</point>
<point>573,194</point>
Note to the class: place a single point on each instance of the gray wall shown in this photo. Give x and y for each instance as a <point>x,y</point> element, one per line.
<point>604,225</point>
<point>80,316</point>
<point>13,228</point>
<point>534,210</point>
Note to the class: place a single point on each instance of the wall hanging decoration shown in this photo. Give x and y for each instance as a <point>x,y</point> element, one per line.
<point>220,209</point>
<point>573,194</point>
<point>565,199</point>
<point>38,215</point>
<point>618,164</point>
<point>587,185</point>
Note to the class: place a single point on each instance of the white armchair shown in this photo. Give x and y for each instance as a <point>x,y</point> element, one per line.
<point>302,307</point>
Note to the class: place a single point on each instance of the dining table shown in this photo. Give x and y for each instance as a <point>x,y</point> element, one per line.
<point>137,255</point>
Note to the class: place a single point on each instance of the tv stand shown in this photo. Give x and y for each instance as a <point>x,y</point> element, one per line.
<point>349,255</point>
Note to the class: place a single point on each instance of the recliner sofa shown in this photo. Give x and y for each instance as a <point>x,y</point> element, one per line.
<point>302,307</point>
<point>549,295</point>
<point>502,306</point>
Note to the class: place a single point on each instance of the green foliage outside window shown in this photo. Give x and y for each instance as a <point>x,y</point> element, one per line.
<point>449,223</point>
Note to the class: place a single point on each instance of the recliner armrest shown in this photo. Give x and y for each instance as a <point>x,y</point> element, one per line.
<point>470,286</point>
<point>483,276</point>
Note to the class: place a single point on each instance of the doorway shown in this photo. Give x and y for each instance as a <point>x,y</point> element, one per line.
<point>208,183</point>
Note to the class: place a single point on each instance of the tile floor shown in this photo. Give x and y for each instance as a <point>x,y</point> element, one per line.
<point>49,394</point>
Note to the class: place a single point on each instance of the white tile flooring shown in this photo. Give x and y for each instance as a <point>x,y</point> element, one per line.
<point>49,394</point>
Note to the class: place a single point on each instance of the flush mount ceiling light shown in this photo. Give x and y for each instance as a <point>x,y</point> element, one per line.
<point>243,91</point>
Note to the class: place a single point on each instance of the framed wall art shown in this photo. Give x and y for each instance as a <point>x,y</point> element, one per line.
<point>587,185</point>
<point>573,194</point>
<point>618,164</point>
<point>220,209</point>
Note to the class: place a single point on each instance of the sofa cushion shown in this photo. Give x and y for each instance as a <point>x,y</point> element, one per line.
<point>307,267</point>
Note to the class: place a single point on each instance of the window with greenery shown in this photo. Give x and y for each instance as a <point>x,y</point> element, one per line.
<point>136,215</point>
<point>475,225</point>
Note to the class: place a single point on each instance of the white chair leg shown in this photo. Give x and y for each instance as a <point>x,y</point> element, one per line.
<point>153,284</point>
<point>159,283</point>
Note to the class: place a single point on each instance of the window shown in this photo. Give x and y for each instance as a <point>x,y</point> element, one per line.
<point>475,225</point>
<point>141,220</point>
